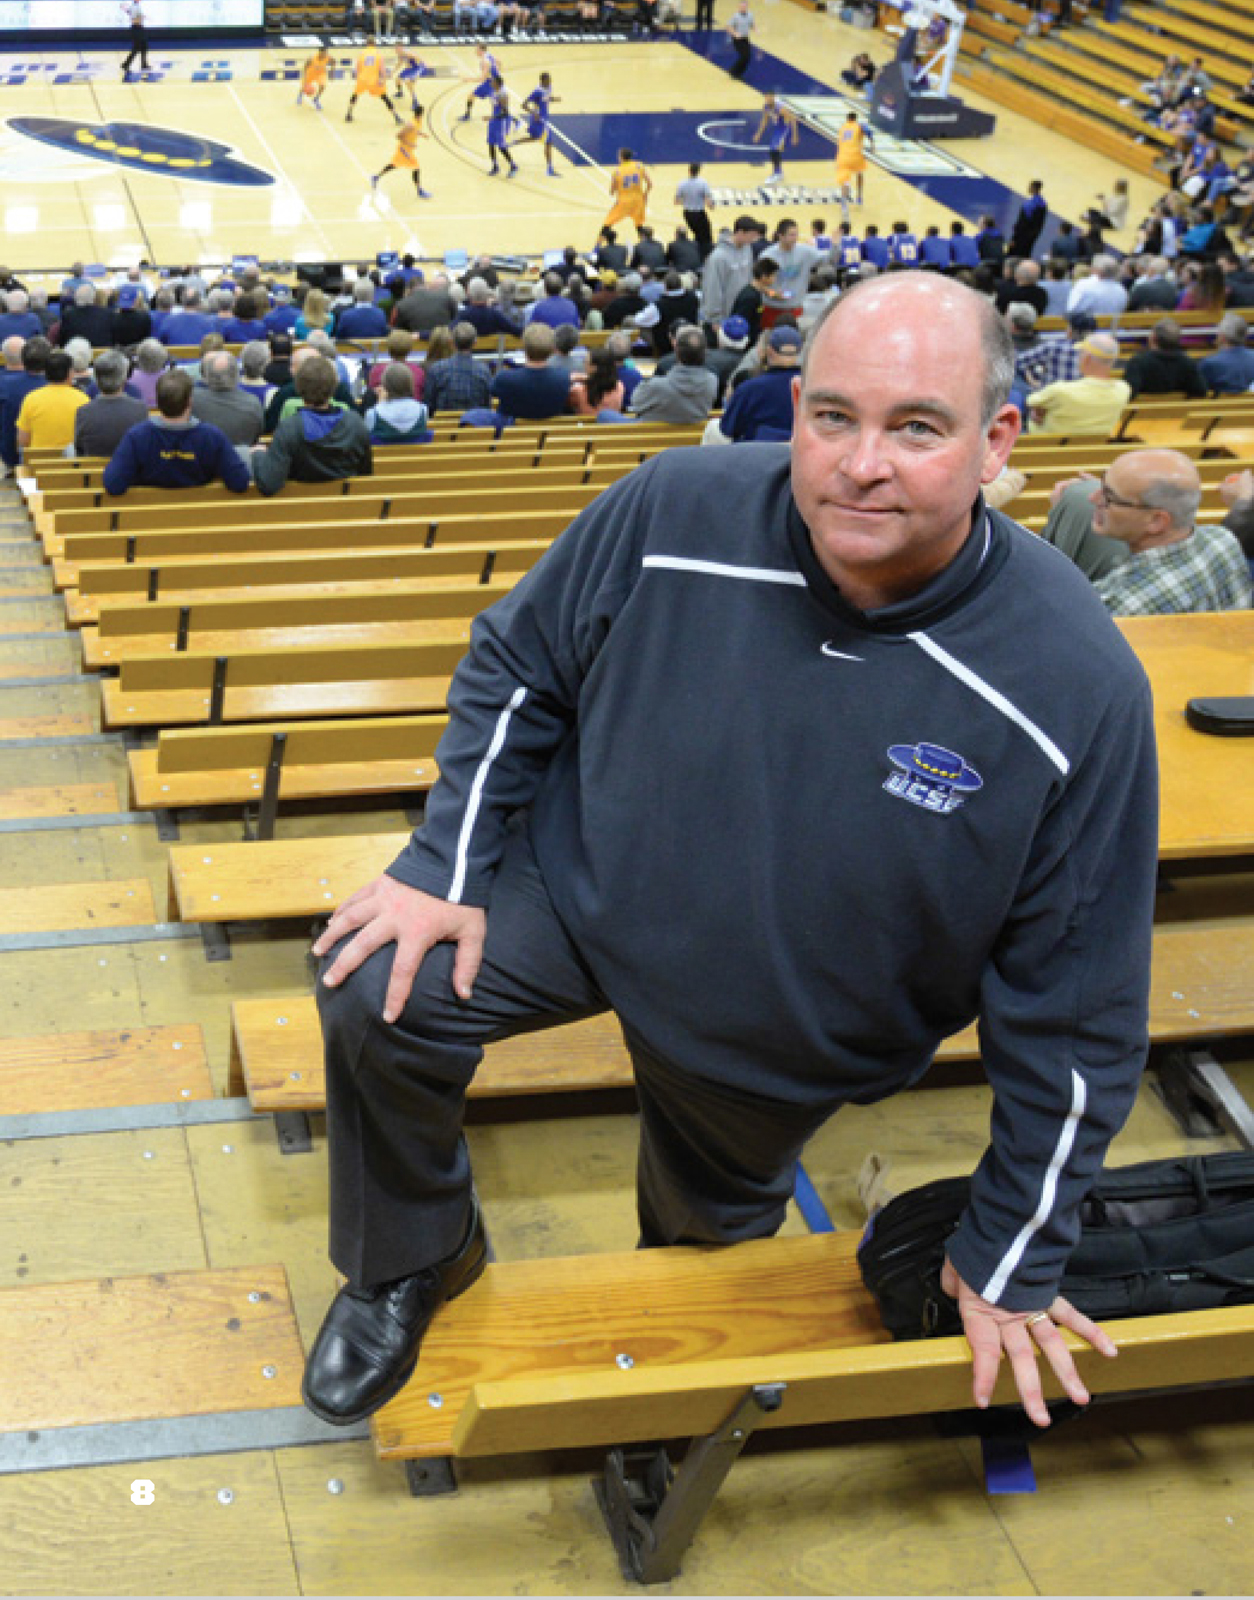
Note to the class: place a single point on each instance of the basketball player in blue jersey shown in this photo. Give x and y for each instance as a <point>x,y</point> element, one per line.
<point>539,128</point>
<point>500,121</point>
<point>409,68</point>
<point>489,68</point>
<point>779,122</point>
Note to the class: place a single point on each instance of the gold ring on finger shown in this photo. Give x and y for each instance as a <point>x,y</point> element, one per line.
<point>1037,1316</point>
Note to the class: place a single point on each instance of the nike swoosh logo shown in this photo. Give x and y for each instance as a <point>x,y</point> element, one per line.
<point>840,655</point>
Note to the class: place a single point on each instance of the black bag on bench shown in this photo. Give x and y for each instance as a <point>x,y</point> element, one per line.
<point>1158,1236</point>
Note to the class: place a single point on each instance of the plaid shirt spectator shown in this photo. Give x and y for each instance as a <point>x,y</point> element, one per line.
<point>1053,359</point>
<point>458,383</point>
<point>1205,572</point>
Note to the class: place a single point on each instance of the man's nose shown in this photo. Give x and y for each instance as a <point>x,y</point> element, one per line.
<point>865,460</point>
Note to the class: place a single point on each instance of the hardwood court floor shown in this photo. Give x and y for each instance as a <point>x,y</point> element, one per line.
<point>319,205</point>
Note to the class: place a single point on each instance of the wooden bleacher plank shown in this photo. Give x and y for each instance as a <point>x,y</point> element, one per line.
<point>422,630</point>
<point>54,907</point>
<point>1160,44</point>
<point>1202,979</point>
<point>841,1384</point>
<point>225,766</point>
<point>60,800</point>
<point>1195,35</point>
<point>1205,781</point>
<point>536,1343</point>
<point>106,1067</point>
<point>281,878</point>
<point>290,575</point>
<point>176,1344</point>
<point>276,1057</point>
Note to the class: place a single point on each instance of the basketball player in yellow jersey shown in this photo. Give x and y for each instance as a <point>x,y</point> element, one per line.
<point>406,157</point>
<point>371,76</point>
<point>630,187</point>
<point>317,71</point>
<point>851,139</point>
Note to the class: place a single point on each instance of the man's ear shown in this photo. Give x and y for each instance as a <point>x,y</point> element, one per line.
<point>1000,439</point>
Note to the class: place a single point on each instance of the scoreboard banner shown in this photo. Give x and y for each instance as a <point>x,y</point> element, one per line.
<point>106,16</point>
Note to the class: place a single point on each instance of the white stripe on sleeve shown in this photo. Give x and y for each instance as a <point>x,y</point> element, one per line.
<point>476,794</point>
<point>1049,1189</point>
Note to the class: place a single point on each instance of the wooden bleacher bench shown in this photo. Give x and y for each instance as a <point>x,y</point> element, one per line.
<point>105,1067</point>
<point>485,528</point>
<point>267,764</point>
<point>1202,984</point>
<point>617,1349</point>
<point>58,800</point>
<point>261,685</point>
<point>102,585</point>
<point>55,907</point>
<point>248,622</point>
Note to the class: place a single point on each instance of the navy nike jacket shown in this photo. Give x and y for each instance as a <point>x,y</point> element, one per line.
<point>798,844</point>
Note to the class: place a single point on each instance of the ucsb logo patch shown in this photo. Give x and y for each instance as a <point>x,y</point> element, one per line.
<point>930,776</point>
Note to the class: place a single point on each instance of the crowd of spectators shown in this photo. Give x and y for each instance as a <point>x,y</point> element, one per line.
<point>683,341</point>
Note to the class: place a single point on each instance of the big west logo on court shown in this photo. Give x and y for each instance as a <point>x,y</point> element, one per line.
<point>143,148</point>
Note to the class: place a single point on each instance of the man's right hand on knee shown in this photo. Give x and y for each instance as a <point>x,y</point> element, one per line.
<point>389,912</point>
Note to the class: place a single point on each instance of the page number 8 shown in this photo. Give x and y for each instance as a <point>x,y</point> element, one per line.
<point>143,1492</point>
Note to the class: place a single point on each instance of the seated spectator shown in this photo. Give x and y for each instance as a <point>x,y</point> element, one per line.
<point>762,407</point>
<point>1056,358</point>
<point>554,306</point>
<point>1024,287</point>
<point>1154,288</point>
<point>685,393</point>
<point>189,324</point>
<point>648,252</point>
<point>426,306</point>
<point>459,383</point>
<point>283,315</point>
<point>609,253</point>
<point>815,300</point>
<point>253,360</point>
<point>320,441</point>
<point>132,320</point>
<point>151,360</point>
<point>1089,404</point>
<point>1205,288</point>
<point>1163,367</point>
<point>397,417</point>
<point>174,450</point>
<point>860,73</point>
<point>79,352</point>
<point>533,391</point>
<point>683,252</point>
<point>569,356</point>
<point>245,322</point>
<point>315,312</point>
<point>279,369</point>
<point>18,318</point>
<point>363,319</point>
<point>1231,369</point>
<point>1149,501</point>
<point>678,303</point>
<point>25,363</point>
<point>86,319</point>
<point>619,346</point>
<point>401,346</point>
<point>217,399</point>
<point>286,398</point>
<point>628,302</point>
<point>46,418</point>
<point>1099,292</point>
<point>600,388</point>
<point>963,249</point>
<point>101,424</point>
<point>482,315</point>
<point>1069,528</point>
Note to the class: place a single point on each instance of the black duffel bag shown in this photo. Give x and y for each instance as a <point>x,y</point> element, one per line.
<point>1158,1236</point>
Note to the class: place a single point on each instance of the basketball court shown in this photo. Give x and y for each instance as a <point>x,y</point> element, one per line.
<point>208,156</point>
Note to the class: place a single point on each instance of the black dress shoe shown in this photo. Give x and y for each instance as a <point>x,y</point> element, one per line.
<point>367,1348</point>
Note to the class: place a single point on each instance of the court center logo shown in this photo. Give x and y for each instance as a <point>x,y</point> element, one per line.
<point>930,776</point>
<point>144,148</point>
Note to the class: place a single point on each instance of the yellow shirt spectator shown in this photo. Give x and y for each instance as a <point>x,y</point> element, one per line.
<point>46,420</point>
<point>1083,405</point>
